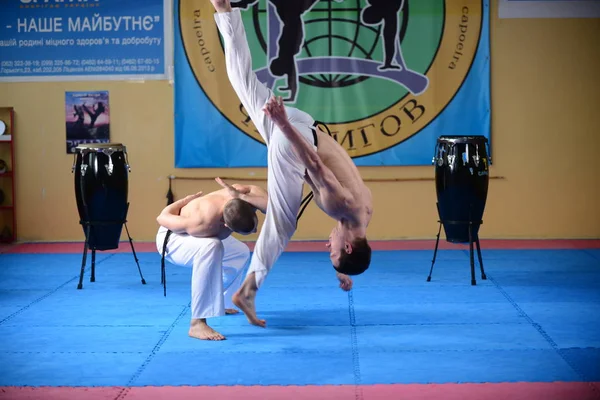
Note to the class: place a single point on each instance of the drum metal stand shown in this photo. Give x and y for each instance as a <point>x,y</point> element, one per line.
<point>472,259</point>
<point>88,225</point>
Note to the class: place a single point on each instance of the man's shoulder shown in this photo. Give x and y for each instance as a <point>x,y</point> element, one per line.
<point>203,207</point>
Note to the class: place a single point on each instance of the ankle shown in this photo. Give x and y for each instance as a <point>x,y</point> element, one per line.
<point>249,284</point>
<point>198,322</point>
<point>248,291</point>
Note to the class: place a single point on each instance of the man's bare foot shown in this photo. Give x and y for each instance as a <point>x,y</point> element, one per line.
<point>199,329</point>
<point>244,299</point>
<point>231,311</point>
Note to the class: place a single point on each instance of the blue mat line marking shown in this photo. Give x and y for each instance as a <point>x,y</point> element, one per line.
<point>73,352</point>
<point>542,332</point>
<point>155,350</point>
<point>86,326</point>
<point>50,293</point>
<point>441,323</point>
<point>283,327</point>
<point>370,324</point>
<point>358,393</point>
<point>283,351</point>
<point>332,352</point>
<point>449,285</point>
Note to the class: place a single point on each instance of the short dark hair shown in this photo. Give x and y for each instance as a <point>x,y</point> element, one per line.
<point>358,261</point>
<point>239,215</point>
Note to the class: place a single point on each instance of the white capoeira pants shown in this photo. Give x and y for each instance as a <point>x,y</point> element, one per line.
<point>217,269</point>
<point>285,177</point>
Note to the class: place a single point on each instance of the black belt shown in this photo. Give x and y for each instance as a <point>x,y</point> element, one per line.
<point>163,276</point>
<point>314,132</point>
<point>304,204</point>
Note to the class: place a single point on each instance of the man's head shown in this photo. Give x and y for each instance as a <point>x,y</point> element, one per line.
<point>349,256</point>
<point>240,216</point>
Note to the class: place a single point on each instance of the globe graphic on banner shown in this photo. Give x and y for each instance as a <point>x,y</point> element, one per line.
<point>322,38</point>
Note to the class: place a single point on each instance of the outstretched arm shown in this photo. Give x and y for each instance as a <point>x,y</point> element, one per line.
<point>254,195</point>
<point>170,218</point>
<point>257,197</point>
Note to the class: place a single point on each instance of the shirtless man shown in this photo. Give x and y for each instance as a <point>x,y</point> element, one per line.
<point>297,152</point>
<point>201,228</point>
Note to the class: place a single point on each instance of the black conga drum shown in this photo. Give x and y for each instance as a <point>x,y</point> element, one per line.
<point>462,177</point>
<point>101,189</point>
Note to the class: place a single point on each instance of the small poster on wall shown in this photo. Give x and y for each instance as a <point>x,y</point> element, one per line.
<point>87,117</point>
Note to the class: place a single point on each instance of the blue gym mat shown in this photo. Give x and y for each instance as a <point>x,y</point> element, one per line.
<point>535,319</point>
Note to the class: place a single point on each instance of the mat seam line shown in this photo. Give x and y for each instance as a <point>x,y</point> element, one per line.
<point>358,392</point>
<point>125,391</point>
<point>545,335</point>
<point>589,253</point>
<point>47,294</point>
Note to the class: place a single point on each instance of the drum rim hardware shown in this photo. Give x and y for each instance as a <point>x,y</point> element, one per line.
<point>105,148</point>
<point>452,140</point>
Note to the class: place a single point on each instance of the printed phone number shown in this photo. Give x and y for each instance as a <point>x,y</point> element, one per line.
<point>123,62</point>
<point>75,70</point>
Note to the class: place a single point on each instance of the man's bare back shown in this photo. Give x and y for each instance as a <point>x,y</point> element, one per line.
<point>202,215</point>
<point>205,215</point>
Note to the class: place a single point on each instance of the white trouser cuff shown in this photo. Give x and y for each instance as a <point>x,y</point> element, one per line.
<point>260,271</point>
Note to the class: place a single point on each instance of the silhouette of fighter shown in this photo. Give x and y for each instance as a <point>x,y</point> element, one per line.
<point>80,116</point>
<point>386,12</point>
<point>291,39</point>
<point>98,110</point>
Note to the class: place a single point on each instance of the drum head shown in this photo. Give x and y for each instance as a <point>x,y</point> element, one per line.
<point>2,127</point>
<point>101,147</point>
<point>462,139</point>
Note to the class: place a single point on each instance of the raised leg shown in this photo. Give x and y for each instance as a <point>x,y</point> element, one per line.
<point>480,259</point>
<point>252,93</point>
<point>84,258</point>
<point>134,255</point>
<point>473,282</point>
<point>93,275</point>
<point>437,241</point>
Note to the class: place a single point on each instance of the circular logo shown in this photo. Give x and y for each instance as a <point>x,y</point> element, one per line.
<point>375,72</point>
